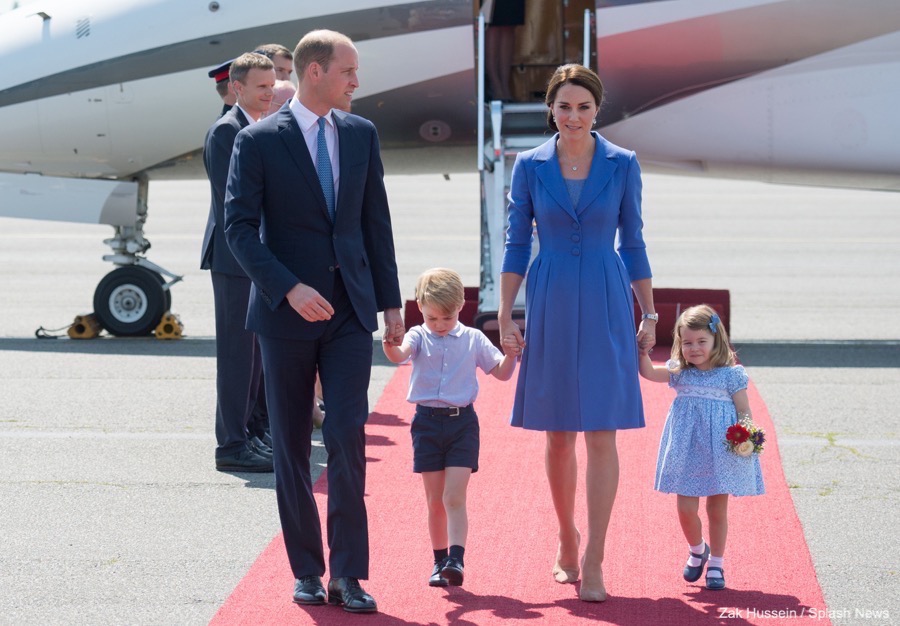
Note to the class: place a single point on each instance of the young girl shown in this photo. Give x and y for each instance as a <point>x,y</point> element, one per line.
<point>693,458</point>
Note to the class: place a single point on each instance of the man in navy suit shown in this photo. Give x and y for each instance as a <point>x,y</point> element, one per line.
<point>306,215</point>
<point>238,364</point>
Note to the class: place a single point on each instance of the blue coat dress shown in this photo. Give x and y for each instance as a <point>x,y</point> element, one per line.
<point>579,370</point>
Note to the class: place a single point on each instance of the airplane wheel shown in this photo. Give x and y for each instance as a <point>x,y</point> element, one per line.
<point>167,292</point>
<point>130,301</point>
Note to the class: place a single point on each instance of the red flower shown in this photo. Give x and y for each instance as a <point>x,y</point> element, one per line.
<point>737,434</point>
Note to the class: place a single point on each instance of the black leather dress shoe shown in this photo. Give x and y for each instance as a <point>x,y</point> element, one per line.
<point>347,592</point>
<point>259,447</point>
<point>452,572</point>
<point>436,579</point>
<point>309,590</point>
<point>244,461</point>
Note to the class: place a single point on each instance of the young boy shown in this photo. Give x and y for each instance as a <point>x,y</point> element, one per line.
<point>444,355</point>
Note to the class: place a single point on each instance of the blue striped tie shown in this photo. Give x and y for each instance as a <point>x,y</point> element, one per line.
<point>323,165</point>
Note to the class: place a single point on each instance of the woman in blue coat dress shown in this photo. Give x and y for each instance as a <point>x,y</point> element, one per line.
<point>579,370</point>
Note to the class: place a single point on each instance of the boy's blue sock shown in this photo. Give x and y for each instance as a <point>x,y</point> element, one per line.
<point>440,555</point>
<point>457,553</point>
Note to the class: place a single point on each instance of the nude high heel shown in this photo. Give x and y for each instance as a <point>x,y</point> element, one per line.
<point>592,588</point>
<point>566,575</point>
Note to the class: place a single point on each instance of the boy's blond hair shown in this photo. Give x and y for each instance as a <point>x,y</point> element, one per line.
<point>441,288</point>
<point>699,318</point>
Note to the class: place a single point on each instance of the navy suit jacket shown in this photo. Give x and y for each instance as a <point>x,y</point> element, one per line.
<point>215,254</point>
<point>277,223</point>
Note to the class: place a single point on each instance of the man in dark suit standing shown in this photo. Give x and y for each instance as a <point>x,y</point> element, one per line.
<point>306,215</point>
<point>238,363</point>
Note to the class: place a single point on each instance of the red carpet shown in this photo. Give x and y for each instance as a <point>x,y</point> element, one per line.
<point>512,539</point>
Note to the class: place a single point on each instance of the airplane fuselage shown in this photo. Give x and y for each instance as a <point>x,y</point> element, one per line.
<point>107,89</point>
<point>788,90</point>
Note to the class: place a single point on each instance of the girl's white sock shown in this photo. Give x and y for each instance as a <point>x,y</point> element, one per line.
<point>714,561</point>
<point>694,561</point>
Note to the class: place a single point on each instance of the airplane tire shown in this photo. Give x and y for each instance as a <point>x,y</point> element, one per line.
<point>130,301</point>
<point>166,292</point>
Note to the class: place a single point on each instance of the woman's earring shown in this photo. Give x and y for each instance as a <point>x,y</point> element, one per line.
<point>595,120</point>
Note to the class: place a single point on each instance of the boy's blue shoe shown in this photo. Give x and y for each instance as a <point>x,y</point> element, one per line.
<point>692,574</point>
<point>452,571</point>
<point>715,582</point>
<point>436,579</point>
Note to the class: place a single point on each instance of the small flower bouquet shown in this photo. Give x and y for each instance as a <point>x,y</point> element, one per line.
<point>745,438</point>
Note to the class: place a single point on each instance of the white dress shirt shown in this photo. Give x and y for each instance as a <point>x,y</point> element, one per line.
<point>247,115</point>
<point>444,367</point>
<point>309,124</point>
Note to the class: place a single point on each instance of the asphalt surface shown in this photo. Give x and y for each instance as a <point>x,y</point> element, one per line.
<point>111,511</point>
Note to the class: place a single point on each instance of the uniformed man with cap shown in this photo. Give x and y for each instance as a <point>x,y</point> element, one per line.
<point>223,85</point>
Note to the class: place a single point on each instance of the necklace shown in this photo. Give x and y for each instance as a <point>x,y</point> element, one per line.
<point>574,167</point>
<point>573,163</point>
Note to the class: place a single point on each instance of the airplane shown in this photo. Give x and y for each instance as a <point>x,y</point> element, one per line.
<point>99,97</point>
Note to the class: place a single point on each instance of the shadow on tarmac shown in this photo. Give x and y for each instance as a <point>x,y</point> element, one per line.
<point>832,354</point>
<point>818,354</point>
<point>265,480</point>
<point>137,346</point>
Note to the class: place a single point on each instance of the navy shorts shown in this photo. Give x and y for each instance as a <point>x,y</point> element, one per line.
<point>442,441</point>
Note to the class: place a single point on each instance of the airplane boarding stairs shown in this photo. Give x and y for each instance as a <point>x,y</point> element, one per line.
<point>499,157</point>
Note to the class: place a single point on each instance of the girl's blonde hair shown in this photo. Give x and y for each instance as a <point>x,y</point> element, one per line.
<point>703,317</point>
<point>441,288</point>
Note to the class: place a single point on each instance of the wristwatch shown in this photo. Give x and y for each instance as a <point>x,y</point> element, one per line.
<point>650,316</point>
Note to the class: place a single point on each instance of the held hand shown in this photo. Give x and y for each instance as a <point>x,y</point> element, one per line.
<point>646,336</point>
<point>511,337</point>
<point>393,327</point>
<point>309,303</point>
<point>510,347</point>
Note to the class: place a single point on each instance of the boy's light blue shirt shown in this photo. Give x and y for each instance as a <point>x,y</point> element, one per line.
<point>444,367</point>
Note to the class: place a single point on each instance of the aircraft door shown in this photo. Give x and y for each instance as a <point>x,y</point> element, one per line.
<point>553,34</point>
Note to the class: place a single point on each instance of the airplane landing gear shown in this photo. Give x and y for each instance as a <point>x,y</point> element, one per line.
<point>131,300</point>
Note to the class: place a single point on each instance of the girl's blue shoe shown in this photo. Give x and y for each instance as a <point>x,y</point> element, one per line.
<point>692,574</point>
<point>715,582</point>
